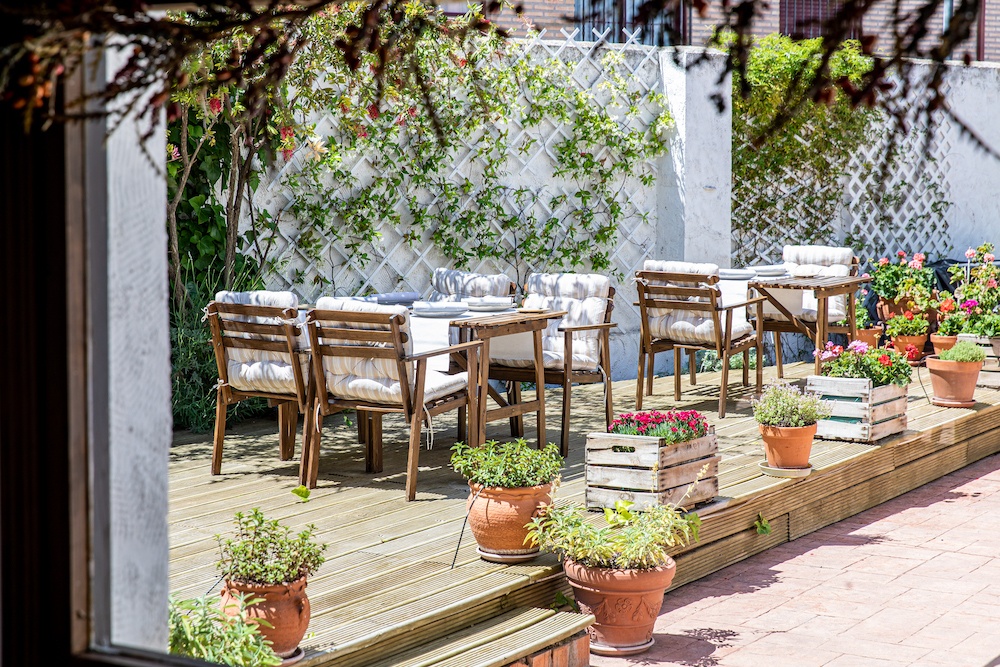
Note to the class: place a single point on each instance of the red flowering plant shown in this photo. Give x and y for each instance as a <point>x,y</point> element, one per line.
<point>673,426</point>
<point>860,360</point>
<point>907,324</point>
<point>903,280</point>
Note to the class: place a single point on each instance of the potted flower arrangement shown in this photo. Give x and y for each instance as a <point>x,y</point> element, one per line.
<point>268,563</point>
<point>509,483</point>
<point>620,571</point>
<point>651,458</point>
<point>865,388</point>
<point>908,333</point>
<point>954,373</point>
<point>787,418</point>
<point>902,284</point>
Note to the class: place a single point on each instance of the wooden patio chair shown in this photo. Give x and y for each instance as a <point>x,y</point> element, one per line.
<point>575,348</point>
<point>809,261</point>
<point>681,308</point>
<point>363,360</point>
<point>260,352</point>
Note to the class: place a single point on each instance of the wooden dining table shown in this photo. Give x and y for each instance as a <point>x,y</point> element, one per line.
<point>824,287</point>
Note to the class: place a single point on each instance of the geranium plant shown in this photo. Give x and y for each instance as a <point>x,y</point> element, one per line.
<point>907,324</point>
<point>977,280</point>
<point>860,360</point>
<point>953,324</point>
<point>903,280</point>
<point>673,426</point>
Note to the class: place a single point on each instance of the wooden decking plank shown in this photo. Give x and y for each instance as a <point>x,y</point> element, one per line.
<point>721,553</point>
<point>505,650</point>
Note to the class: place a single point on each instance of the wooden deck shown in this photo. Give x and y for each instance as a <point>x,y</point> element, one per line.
<point>402,575</point>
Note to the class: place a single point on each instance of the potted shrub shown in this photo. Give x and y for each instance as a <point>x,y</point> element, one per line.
<point>954,373</point>
<point>908,333</point>
<point>902,284</point>
<point>787,418</point>
<point>651,458</point>
<point>949,327</point>
<point>268,563</point>
<point>865,388</point>
<point>509,483</point>
<point>199,628</point>
<point>618,571</point>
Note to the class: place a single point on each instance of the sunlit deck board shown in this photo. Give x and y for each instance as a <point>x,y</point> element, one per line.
<point>389,584</point>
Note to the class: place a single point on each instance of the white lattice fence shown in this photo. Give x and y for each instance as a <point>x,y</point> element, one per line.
<point>313,262</point>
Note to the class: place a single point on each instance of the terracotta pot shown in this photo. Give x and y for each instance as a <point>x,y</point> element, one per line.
<point>497,517</point>
<point>886,308</point>
<point>787,446</point>
<point>284,606</point>
<point>942,343</point>
<point>953,382</point>
<point>624,603</point>
<point>870,336</point>
<point>900,343</point>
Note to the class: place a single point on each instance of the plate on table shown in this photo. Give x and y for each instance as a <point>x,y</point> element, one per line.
<point>770,271</point>
<point>490,304</point>
<point>439,308</point>
<point>737,274</point>
<point>397,298</point>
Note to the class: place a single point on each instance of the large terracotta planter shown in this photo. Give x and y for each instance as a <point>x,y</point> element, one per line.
<point>787,446</point>
<point>625,604</point>
<point>900,343</point>
<point>953,382</point>
<point>870,336</point>
<point>284,606</point>
<point>497,517</point>
<point>886,308</point>
<point>942,343</point>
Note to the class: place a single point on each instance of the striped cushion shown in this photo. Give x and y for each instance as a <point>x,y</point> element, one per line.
<point>585,298</point>
<point>389,392</point>
<point>455,285</point>
<point>262,370</point>
<point>687,326</point>
<point>807,262</point>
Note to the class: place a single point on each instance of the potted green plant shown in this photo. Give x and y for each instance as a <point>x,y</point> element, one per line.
<point>954,373</point>
<point>199,628</point>
<point>268,562</point>
<point>620,571</point>
<point>865,388</point>
<point>787,416</point>
<point>509,483</point>
<point>908,333</point>
<point>949,327</point>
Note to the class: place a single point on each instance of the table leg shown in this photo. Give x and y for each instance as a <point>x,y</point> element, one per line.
<point>483,393</point>
<point>540,387</point>
<point>822,308</point>
<point>852,321</point>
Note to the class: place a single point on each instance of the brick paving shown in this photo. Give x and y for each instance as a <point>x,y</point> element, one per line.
<point>914,581</point>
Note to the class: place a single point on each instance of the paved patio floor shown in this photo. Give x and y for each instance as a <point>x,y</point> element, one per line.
<point>914,581</point>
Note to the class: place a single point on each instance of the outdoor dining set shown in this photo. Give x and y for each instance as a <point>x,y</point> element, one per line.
<point>471,342</point>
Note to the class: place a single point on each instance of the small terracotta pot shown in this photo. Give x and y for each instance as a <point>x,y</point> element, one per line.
<point>942,343</point>
<point>284,606</point>
<point>870,336</point>
<point>900,343</point>
<point>625,604</point>
<point>497,517</point>
<point>953,382</point>
<point>787,446</point>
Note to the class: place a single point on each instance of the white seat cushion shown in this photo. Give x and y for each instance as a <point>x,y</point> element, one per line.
<point>584,297</point>
<point>387,391</point>
<point>808,262</point>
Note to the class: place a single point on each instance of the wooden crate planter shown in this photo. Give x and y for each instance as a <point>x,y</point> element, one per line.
<point>990,345</point>
<point>861,412</point>
<point>649,471</point>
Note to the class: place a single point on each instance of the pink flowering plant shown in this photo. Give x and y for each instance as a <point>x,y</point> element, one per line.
<point>860,360</point>
<point>673,426</point>
<point>978,279</point>
<point>903,279</point>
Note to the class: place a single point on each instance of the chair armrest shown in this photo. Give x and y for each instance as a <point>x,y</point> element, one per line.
<point>748,302</point>
<point>585,327</point>
<point>444,350</point>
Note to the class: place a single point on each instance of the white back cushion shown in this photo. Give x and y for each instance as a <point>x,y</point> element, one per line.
<point>455,285</point>
<point>807,261</point>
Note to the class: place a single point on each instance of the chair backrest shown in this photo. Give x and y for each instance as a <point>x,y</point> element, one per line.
<point>809,261</point>
<point>455,285</point>
<point>258,339</point>
<point>363,345</point>
<point>587,298</point>
<point>679,301</point>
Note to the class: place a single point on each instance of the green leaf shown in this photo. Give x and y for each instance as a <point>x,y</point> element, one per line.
<point>762,525</point>
<point>302,492</point>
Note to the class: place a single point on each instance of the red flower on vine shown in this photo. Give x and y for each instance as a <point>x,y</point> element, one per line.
<point>287,132</point>
<point>215,105</point>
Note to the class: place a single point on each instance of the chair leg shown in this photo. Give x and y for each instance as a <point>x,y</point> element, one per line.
<point>315,439</point>
<point>639,378</point>
<point>412,459</point>
<point>777,353</point>
<point>517,421</point>
<point>373,447</point>
<point>288,416</point>
<point>693,366</point>
<point>649,373</point>
<point>564,438</point>
<point>609,404</point>
<point>746,368</point>
<point>677,373</point>
<point>724,386</point>
<point>463,424</point>
<point>220,432</point>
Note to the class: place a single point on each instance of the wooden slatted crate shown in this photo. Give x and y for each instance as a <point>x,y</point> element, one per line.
<point>649,471</point>
<point>990,345</point>
<point>861,412</point>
